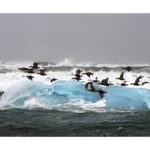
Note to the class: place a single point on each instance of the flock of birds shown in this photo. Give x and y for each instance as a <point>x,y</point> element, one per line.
<point>79,73</point>
<point>35,69</point>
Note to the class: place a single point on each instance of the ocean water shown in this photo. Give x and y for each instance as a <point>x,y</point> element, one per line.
<point>66,108</point>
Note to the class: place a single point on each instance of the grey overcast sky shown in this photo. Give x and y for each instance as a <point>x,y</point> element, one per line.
<point>99,38</point>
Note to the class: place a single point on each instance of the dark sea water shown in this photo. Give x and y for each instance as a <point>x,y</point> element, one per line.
<point>40,122</point>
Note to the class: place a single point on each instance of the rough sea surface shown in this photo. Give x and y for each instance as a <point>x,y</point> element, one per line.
<point>39,122</point>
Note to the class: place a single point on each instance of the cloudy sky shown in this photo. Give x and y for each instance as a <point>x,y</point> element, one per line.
<point>99,38</point>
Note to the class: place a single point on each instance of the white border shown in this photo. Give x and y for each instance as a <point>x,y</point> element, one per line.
<point>74,6</point>
<point>74,143</point>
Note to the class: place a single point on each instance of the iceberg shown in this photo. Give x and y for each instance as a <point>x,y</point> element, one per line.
<point>62,92</point>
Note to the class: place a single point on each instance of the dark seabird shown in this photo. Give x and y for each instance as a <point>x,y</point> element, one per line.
<point>26,70</point>
<point>88,74</point>
<point>30,77</point>
<point>128,68</point>
<point>78,71</point>
<point>23,69</point>
<point>54,79</point>
<point>92,89</point>
<point>136,83</point>
<point>77,78</point>
<point>124,84</point>
<point>105,82</point>
<point>101,93</point>
<point>29,71</point>
<point>42,72</point>
<point>121,76</point>
<point>144,83</point>
<point>78,75</point>
<point>35,65</point>
<point>91,86</point>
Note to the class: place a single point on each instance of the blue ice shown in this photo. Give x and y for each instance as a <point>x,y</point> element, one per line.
<point>61,92</point>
